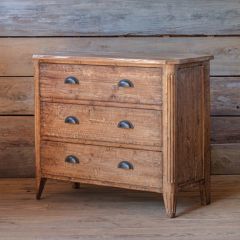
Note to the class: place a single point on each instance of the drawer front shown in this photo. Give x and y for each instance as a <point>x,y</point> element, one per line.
<point>108,124</point>
<point>101,83</point>
<point>103,164</point>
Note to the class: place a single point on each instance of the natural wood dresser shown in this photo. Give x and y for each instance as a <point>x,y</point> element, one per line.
<point>131,122</point>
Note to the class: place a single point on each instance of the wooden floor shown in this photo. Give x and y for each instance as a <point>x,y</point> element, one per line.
<point>106,213</point>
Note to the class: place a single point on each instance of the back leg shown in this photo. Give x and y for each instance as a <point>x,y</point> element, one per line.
<point>76,185</point>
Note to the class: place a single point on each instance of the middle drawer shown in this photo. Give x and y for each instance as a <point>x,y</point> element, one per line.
<point>108,124</point>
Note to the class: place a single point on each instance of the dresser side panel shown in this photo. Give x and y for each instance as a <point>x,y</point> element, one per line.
<point>190,123</point>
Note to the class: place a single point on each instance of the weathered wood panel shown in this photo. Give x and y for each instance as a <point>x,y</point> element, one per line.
<point>100,83</point>
<point>16,161</point>
<point>226,159</point>
<point>225,96</point>
<point>107,18</point>
<point>99,165</point>
<point>190,124</point>
<point>225,129</point>
<point>100,213</point>
<point>16,53</point>
<point>16,95</point>
<point>16,146</point>
<point>101,124</point>
<point>17,149</point>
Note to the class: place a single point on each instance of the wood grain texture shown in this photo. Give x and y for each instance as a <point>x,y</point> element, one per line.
<point>16,146</point>
<point>16,95</point>
<point>226,158</point>
<point>225,129</point>
<point>16,161</point>
<point>100,83</point>
<point>40,181</point>
<point>178,127</point>
<point>169,140</point>
<point>101,124</point>
<point>189,124</point>
<point>99,165</point>
<point>131,17</point>
<point>205,185</point>
<point>52,18</point>
<point>101,213</point>
<point>16,53</point>
<point>225,95</point>
<point>121,59</point>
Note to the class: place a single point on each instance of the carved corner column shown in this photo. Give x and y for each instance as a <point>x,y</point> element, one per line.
<point>169,143</point>
<point>204,186</point>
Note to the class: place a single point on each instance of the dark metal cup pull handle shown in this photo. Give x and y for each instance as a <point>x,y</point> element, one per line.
<point>125,165</point>
<point>125,124</point>
<point>71,80</point>
<point>71,120</point>
<point>125,83</point>
<point>72,159</point>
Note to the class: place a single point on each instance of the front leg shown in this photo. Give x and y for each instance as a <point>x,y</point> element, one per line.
<point>40,186</point>
<point>170,201</point>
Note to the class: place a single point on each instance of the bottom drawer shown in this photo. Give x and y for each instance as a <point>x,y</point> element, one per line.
<point>103,165</point>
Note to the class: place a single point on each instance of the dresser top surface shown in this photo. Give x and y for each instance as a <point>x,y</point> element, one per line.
<point>116,58</point>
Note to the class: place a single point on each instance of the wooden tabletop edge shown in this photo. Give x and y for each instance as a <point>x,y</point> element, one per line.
<point>112,60</point>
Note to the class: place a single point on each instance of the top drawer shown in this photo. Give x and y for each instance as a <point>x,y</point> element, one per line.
<point>101,83</point>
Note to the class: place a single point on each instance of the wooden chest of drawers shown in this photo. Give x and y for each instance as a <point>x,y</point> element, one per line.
<point>137,122</point>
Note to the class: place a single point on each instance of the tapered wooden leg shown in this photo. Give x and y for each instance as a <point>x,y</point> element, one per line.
<point>40,186</point>
<point>170,203</point>
<point>205,193</point>
<point>76,185</point>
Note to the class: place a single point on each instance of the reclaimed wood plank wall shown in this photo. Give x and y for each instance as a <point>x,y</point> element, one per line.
<point>35,27</point>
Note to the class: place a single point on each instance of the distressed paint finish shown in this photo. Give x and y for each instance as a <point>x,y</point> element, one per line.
<point>108,18</point>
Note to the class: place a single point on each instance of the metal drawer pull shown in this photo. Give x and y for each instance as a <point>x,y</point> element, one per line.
<point>71,120</point>
<point>71,80</point>
<point>125,165</point>
<point>125,83</point>
<point>72,159</point>
<point>125,124</point>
